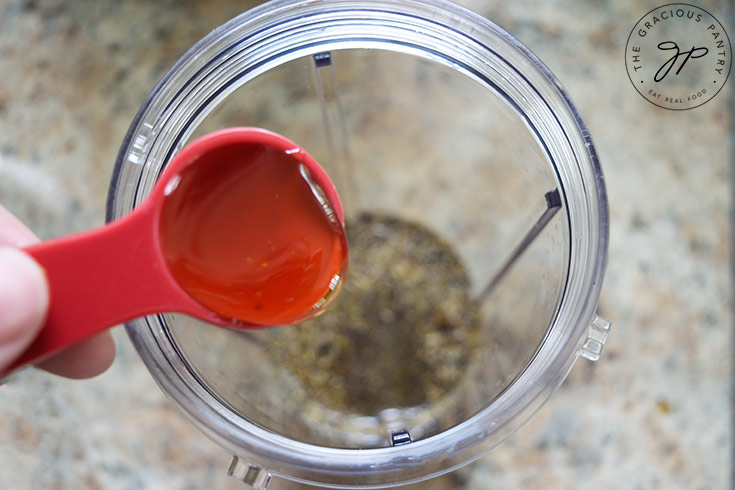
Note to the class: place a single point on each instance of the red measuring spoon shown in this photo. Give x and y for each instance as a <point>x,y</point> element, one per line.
<point>244,229</point>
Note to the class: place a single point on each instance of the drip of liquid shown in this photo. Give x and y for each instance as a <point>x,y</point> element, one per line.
<point>250,235</point>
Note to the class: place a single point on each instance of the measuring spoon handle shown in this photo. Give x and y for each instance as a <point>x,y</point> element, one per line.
<point>100,278</point>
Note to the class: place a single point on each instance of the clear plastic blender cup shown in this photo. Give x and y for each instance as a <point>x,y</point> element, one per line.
<point>478,227</point>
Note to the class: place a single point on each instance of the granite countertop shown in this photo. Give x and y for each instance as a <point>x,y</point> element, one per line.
<point>656,410</point>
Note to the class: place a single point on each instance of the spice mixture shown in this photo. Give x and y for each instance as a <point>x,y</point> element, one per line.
<point>402,332</point>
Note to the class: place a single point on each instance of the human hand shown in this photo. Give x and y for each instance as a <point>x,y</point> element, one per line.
<point>23,306</point>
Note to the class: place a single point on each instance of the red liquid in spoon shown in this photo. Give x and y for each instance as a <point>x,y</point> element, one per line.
<point>247,235</point>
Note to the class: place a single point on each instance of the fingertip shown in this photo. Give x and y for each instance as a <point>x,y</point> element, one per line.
<point>23,302</point>
<point>85,359</point>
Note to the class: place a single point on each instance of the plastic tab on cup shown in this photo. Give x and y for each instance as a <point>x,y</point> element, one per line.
<point>322,59</point>
<point>250,474</point>
<point>596,337</point>
<point>400,438</point>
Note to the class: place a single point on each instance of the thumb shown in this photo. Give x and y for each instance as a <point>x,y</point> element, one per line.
<point>23,302</point>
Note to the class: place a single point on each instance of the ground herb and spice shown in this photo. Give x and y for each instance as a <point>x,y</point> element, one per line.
<point>402,332</point>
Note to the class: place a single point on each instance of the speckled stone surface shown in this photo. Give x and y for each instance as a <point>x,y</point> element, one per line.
<point>655,412</point>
